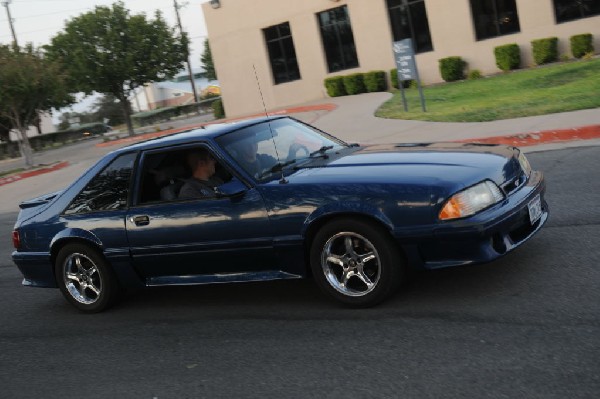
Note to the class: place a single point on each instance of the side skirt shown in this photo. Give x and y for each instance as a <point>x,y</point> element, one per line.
<point>220,278</point>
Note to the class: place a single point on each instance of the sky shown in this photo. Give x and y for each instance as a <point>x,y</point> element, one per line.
<point>37,21</point>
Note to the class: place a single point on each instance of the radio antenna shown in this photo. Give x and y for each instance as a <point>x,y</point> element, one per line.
<point>283,180</point>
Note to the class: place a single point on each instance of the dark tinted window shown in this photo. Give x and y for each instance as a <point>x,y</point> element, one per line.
<point>338,40</point>
<point>568,10</point>
<point>409,21</point>
<point>494,18</point>
<point>108,190</point>
<point>282,53</point>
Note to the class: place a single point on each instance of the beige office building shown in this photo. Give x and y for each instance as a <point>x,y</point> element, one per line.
<point>288,47</point>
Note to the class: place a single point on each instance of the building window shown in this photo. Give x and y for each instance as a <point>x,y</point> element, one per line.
<point>338,40</point>
<point>282,53</point>
<point>569,10</point>
<point>494,18</point>
<point>409,21</point>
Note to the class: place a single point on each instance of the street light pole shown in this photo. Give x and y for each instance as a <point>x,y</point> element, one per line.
<point>5,3</point>
<point>189,66</point>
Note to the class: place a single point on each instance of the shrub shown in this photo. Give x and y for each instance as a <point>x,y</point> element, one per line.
<point>354,83</point>
<point>452,68</point>
<point>545,50</point>
<point>218,109</point>
<point>508,56</point>
<point>375,81</point>
<point>581,45</point>
<point>394,78</point>
<point>474,74</point>
<point>335,86</point>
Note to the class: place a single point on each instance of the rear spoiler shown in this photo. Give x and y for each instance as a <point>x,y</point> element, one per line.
<point>41,200</point>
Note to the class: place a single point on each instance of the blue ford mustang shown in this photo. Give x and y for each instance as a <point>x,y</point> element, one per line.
<point>291,201</point>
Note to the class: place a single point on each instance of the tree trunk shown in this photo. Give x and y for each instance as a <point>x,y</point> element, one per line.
<point>26,150</point>
<point>126,112</point>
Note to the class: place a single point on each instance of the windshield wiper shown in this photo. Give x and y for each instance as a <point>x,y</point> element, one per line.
<point>321,152</point>
<point>276,168</point>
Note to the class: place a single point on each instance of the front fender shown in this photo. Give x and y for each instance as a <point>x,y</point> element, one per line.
<point>346,208</point>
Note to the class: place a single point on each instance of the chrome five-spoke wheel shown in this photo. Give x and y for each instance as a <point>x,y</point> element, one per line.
<point>356,261</point>
<point>82,278</point>
<point>85,278</point>
<point>351,264</point>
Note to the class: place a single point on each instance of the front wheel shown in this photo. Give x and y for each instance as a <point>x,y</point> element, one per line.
<point>85,278</point>
<point>355,262</point>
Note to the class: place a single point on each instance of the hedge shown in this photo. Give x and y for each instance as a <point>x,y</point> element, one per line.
<point>545,50</point>
<point>375,81</point>
<point>218,109</point>
<point>452,68</point>
<point>508,56</point>
<point>354,83</point>
<point>165,114</point>
<point>581,45</point>
<point>42,141</point>
<point>335,86</point>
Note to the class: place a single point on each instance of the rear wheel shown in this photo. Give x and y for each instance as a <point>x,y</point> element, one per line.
<point>85,278</point>
<point>356,262</point>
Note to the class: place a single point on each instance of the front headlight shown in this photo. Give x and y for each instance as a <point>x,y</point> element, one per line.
<point>524,163</point>
<point>470,201</point>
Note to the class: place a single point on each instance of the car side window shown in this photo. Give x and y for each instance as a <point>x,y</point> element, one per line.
<point>166,173</point>
<point>108,190</point>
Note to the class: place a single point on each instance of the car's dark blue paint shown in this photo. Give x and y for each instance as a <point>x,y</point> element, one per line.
<point>259,231</point>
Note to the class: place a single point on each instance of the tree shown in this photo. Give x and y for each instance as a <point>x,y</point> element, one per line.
<point>31,84</point>
<point>109,107</point>
<point>207,60</point>
<point>112,52</point>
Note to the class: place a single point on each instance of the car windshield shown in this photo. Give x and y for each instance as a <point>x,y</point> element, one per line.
<point>265,149</point>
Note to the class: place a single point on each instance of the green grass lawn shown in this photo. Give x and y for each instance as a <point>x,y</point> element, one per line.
<point>538,91</point>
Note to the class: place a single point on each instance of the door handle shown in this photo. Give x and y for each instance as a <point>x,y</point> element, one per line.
<point>140,220</point>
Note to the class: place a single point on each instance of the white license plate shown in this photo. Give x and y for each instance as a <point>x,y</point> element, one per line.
<point>535,209</point>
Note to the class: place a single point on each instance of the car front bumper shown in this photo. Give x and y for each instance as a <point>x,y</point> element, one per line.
<point>485,236</point>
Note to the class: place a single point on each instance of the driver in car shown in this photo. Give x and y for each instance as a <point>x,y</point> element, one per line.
<point>203,181</point>
<point>249,158</point>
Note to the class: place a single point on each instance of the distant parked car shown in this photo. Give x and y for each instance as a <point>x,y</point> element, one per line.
<point>354,217</point>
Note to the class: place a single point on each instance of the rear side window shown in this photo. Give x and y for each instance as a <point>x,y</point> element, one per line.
<point>108,190</point>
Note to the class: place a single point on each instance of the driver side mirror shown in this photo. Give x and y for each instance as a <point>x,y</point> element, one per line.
<point>233,188</point>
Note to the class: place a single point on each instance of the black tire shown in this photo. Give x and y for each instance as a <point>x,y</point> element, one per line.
<point>356,262</point>
<point>85,278</point>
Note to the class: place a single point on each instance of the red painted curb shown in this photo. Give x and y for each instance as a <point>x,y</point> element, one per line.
<point>30,173</point>
<point>543,137</point>
<point>285,111</point>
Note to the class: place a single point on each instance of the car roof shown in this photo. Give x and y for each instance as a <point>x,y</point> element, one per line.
<point>206,133</point>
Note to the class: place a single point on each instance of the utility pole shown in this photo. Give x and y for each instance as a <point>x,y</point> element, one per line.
<point>189,66</point>
<point>5,3</point>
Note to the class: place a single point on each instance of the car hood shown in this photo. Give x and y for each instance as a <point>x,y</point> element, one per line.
<point>456,164</point>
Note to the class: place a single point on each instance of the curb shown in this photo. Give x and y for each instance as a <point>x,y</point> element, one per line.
<point>31,173</point>
<point>542,137</point>
<point>285,111</point>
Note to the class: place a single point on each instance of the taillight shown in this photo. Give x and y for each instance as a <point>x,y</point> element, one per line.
<point>16,239</point>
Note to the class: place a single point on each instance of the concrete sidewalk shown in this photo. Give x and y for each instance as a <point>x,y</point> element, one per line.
<point>354,120</point>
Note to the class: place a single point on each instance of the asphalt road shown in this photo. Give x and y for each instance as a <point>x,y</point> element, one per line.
<point>526,326</point>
